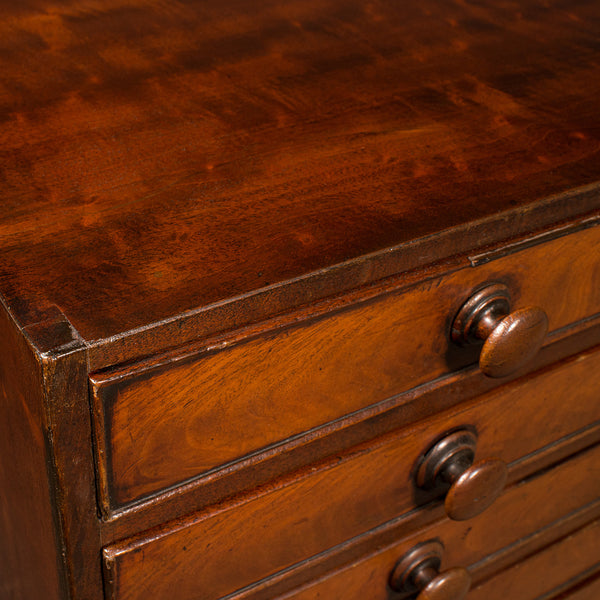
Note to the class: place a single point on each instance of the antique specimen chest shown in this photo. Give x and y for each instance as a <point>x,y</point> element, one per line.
<point>299,300</point>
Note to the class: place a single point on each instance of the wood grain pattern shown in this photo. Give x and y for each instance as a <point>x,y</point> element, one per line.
<point>300,580</point>
<point>174,561</point>
<point>398,412</point>
<point>158,426</point>
<point>586,590</point>
<point>214,149</point>
<point>30,562</point>
<point>65,386</point>
<point>528,580</point>
<point>546,570</point>
<point>253,223</point>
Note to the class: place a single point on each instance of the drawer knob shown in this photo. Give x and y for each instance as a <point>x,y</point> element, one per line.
<point>419,571</point>
<point>511,339</point>
<point>473,486</point>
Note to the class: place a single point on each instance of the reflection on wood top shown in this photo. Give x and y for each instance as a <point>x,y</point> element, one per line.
<point>159,157</point>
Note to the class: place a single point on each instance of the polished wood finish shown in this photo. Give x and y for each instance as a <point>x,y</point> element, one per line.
<point>215,150</point>
<point>506,536</point>
<point>474,490</point>
<point>588,589</point>
<point>152,420</point>
<point>419,572</point>
<point>387,466</point>
<point>234,237</point>
<point>308,577</point>
<point>256,531</point>
<point>49,380</point>
<point>473,487</point>
<point>541,573</point>
<point>30,561</point>
<point>511,339</point>
<point>69,425</point>
<point>362,427</point>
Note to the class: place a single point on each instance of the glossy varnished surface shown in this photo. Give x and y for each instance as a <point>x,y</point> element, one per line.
<point>157,157</point>
<point>538,575</point>
<point>172,562</point>
<point>296,517</point>
<point>30,564</point>
<point>553,568</point>
<point>152,422</point>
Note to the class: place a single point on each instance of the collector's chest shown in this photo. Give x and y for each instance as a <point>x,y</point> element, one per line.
<point>299,300</point>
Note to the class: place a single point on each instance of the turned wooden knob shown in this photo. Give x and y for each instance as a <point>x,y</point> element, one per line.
<point>473,486</point>
<point>419,571</point>
<point>510,339</point>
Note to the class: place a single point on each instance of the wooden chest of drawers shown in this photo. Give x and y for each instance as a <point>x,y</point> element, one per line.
<point>299,300</point>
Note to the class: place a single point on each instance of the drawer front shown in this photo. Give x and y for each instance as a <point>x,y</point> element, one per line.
<point>550,568</point>
<point>160,426</point>
<point>586,590</point>
<point>529,579</point>
<point>309,512</point>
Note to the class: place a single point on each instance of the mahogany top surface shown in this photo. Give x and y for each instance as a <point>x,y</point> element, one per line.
<point>158,157</point>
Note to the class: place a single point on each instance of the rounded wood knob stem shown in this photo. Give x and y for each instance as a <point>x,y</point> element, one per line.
<point>454,468</point>
<point>473,487</point>
<point>510,339</point>
<point>419,572</point>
